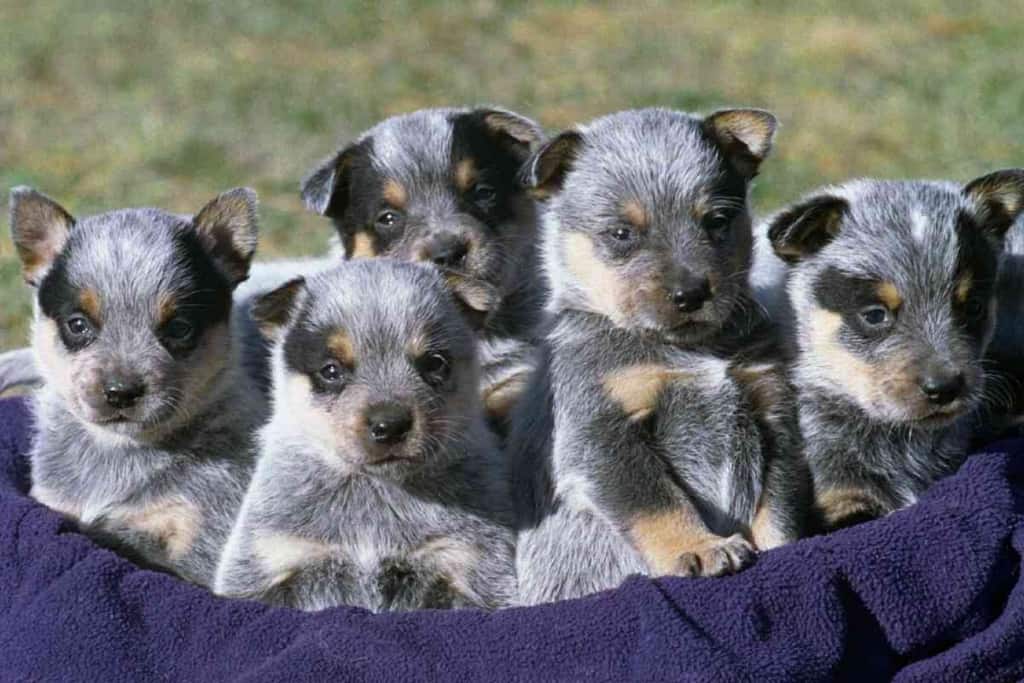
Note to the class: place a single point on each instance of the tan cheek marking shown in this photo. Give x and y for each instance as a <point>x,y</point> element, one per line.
<point>394,193</point>
<point>635,214</point>
<point>363,246</point>
<point>281,555</point>
<point>889,295</point>
<point>175,523</point>
<point>841,365</point>
<point>340,346</point>
<point>465,174</point>
<point>841,503</point>
<point>963,287</point>
<point>89,300</point>
<point>500,398</point>
<point>55,501</point>
<point>636,389</point>
<point>662,537</point>
<point>600,283</point>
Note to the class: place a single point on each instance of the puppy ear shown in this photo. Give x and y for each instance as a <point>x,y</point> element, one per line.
<point>476,299</point>
<point>545,172</point>
<point>40,228</point>
<point>518,134</point>
<point>325,190</point>
<point>805,228</point>
<point>744,136</point>
<point>229,227</point>
<point>998,200</point>
<point>273,310</point>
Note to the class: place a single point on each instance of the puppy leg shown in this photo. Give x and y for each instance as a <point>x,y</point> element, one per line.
<point>839,507</point>
<point>676,541</point>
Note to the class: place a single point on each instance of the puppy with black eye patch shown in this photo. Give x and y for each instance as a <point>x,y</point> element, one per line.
<point>892,290</point>
<point>658,435</point>
<point>441,186</point>
<point>379,484</point>
<point>144,423</point>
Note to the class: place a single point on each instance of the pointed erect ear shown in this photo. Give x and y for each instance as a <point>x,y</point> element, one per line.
<point>229,227</point>
<point>805,228</point>
<point>39,228</point>
<point>998,200</point>
<point>273,310</point>
<point>520,135</point>
<point>744,136</point>
<point>326,189</point>
<point>476,300</point>
<point>545,172</point>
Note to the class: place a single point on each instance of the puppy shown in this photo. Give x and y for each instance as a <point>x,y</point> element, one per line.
<point>1004,360</point>
<point>144,423</point>
<point>441,186</point>
<point>378,483</point>
<point>892,289</point>
<point>658,436</point>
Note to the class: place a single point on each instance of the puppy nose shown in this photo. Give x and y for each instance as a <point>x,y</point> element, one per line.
<point>691,297</point>
<point>121,392</point>
<point>449,251</point>
<point>388,423</point>
<point>941,386</point>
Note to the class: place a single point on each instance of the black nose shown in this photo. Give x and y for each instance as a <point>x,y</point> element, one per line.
<point>691,297</point>
<point>449,251</point>
<point>388,423</point>
<point>941,386</point>
<point>123,393</point>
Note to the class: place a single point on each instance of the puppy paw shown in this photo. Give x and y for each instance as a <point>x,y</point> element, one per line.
<point>717,557</point>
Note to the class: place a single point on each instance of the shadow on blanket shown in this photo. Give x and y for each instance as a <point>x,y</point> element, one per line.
<point>930,593</point>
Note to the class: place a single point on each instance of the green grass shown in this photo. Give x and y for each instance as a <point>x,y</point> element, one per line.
<point>126,103</point>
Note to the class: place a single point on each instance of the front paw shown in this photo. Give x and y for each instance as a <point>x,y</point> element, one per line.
<point>717,557</point>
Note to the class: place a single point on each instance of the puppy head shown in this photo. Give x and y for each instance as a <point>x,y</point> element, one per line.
<point>893,288</point>
<point>647,220</point>
<point>374,361</point>
<point>438,186</point>
<point>132,306</point>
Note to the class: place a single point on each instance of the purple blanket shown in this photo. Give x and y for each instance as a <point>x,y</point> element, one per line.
<point>932,593</point>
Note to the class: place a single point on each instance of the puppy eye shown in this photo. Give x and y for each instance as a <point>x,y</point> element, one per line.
<point>716,225</point>
<point>622,234</point>
<point>435,367</point>
<point>388,218</point>
<point>482,193</point>
<point>79,326</point>
<point>330,372</point>
<point>876,316</point>
<point>179,330</point>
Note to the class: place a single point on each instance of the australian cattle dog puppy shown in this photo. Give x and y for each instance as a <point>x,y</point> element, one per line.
<point>658,436</point>
<point>892,289</point>
<point>378,484</point>
<point>441,186</point>
<point>145,424</point>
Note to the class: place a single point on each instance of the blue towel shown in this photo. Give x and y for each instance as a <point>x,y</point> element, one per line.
<point>932,593</point>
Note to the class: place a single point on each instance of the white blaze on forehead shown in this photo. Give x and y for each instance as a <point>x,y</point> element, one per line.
<point>918,225</point>
<point>403,144</point>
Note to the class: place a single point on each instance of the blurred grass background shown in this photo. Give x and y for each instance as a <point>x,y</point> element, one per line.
<point>128,103</point>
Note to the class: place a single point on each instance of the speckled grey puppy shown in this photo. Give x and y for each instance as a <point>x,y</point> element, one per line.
<point>441,186</point>
<point>145,423</point>
<point>658,436</point>
<point>892,291</point>
<point>378,484</point>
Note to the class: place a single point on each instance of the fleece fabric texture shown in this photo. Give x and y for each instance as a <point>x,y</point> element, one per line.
<point>931,593</point>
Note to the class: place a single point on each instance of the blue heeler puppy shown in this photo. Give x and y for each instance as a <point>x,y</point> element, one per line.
<point>892,289</point>
<point>378,483</point>
<point>441,186</point>
<point>658,435</point>
<point>144,423</point>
